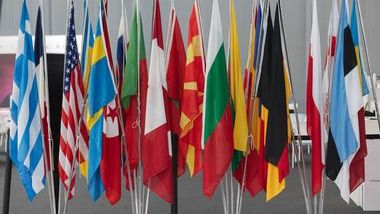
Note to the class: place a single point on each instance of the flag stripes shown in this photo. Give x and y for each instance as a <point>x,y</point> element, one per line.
<point>72,103</point>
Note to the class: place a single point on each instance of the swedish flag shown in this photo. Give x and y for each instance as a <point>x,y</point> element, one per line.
<point>101,91</point>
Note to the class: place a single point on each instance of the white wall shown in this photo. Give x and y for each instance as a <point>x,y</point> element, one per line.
<point>297,21</point>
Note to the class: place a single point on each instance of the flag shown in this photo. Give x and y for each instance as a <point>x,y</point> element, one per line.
<point>72,102</point>
<point>189,147</point>
<point>252,182</point>
<point>278,126</point>
<point>346,102</point>
<point>329,60</point>
<point>314,104</point>
<point>217,117</point>
<point>176,65</point>
<point>86,56</point>
<point>239,111</point>
<point>329,65</point>
<point>101,92</point>
<point>156,154</point>
<point>42,83</point>
<point>25,148</point>
<point>135,70</point>
<point>122,43</point>
<point>110,165</point>
<point>263,94</point>
<point>357,174</point>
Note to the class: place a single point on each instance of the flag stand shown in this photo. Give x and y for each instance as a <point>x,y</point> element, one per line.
<point>7,178</point>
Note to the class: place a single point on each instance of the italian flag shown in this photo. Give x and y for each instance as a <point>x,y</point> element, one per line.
<point>217,119</point>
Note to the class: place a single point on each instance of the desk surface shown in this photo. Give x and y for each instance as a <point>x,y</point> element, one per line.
<point>372,128</point>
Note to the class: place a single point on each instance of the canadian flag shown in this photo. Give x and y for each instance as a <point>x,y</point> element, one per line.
<point>110,165</point>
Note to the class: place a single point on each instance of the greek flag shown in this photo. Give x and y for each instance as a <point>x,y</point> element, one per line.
<point>25,148</point>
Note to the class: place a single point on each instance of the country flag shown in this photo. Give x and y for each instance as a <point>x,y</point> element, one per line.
<point>72,102</point>
<point>156,154</point>
<point>101,92</point>
<point>217,118</point>
<point>345,105</point>
<point>239,111</point>
<point>190,150</point>
<point>86,56</point>
<point>357,173</point>
<point>314,104</point>
<point>25,148</point>
<point>252,175</point>
<point>134,91</point>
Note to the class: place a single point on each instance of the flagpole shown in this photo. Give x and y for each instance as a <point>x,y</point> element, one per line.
<point>67,24</point>
<point>120,117</point>
<point>7,176</point>
<point>76,148</point>
<point>241,188</point>
<point>66,194</point>
<point>174,137</point>
<point>50,178</point>
<point>229,184</point>
<point>305,187</point>
<point>139,170</point>
<point>368,62</point>
<point>330,63</point>
<point>1,7</point>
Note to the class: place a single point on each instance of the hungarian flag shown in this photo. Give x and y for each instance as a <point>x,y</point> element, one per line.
<point>314,104</point>
<point>357,174</point>
<point>217,118</point>
<point>190,150</point>
<point>135,70</point>
<point>278,133</point>
<point>239,111</point>
<point>345,106</point>
<point>252,181</point>
<point>156,157</point>
<point>176,65</point>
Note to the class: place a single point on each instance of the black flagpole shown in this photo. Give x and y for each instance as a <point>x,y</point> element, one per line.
<point>174,206</point>
<point>8,176</point>
<point>1,7</point>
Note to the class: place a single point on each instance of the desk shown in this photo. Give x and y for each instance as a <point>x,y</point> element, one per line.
<point>367,195</point>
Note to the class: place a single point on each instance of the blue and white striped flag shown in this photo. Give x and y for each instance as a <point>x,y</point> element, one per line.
<point>25,149</point>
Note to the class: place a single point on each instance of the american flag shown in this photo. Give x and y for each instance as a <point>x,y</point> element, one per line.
<point>72,104</point>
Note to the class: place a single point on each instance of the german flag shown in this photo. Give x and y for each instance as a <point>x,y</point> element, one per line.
<point>273,93</point>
